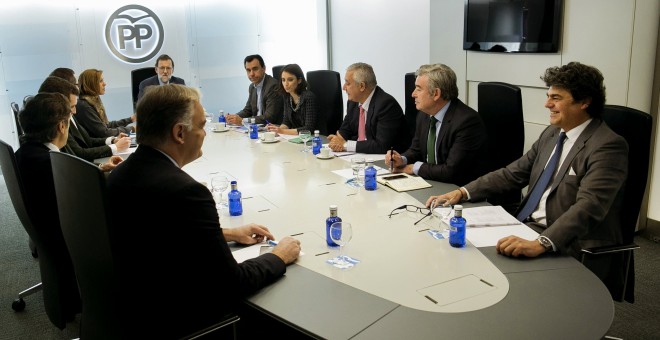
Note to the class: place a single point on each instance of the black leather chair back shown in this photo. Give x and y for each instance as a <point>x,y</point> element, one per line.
<point>500,108</point>
<point>277,73</point>
<point>56,272</point>
<point>82,205</point>
<point>635,126</point>
<point>137,76</point>
<point>326,85</point>
<point>410,111</point>
<point>15,110</point>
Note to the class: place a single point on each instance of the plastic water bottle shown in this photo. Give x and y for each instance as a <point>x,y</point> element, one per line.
<point>370,176</point>
<point>254,130</point>
<point>221,117</point>
<point>317,144</point>
<point>457,228</point>
<point>235,200</point>
<point>328,223</point>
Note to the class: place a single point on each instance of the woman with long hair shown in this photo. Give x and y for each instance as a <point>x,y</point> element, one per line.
<point>90,110</point>
<point>300,108</point>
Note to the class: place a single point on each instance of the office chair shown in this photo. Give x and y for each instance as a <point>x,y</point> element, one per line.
<point>410,111</point>
<point>326,86</point>
<point>137,76</point>
<point>57,280</point>
<point>500,108</point>
<point>635,127</point>
<point>277,73</point>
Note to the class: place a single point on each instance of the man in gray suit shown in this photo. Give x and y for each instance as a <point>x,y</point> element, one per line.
<point>580,205</point>
<point>264,102</point>
<point>164,70</point>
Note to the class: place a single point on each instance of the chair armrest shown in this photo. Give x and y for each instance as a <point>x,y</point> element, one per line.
<point>228,320</point>
<point>610,249</point>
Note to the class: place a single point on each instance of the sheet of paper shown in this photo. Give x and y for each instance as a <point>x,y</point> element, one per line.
<point>347,156</point>
<point>488,237</point>
<point>251,252</point>
<point>485,216</point>
<point>348,173</point>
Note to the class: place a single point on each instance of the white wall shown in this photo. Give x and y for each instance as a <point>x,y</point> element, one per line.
<point>392,36</point>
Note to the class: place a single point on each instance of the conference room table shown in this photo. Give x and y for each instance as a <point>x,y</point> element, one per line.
<point>407,284</point>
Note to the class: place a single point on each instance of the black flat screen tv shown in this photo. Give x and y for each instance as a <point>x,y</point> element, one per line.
<point>512,25</point>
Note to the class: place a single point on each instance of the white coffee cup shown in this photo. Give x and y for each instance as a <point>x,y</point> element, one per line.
<point>219,126</point>
<point>325,152</point>
<point>269,136</point>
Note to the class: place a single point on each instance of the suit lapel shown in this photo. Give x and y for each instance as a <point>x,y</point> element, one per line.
<point>371,119</point>
<point>73,130</point>
<point>446,123</point>
<point>544,155</point>
<point>577,147</point>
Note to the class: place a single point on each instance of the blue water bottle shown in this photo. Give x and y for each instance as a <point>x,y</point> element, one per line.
<point>221,117</point>
<point>235,200</point>
<point>328,223</point>
<point>370,176</point>
<point>317,144</point>
<point>457,228</point>
<point>254,131</point>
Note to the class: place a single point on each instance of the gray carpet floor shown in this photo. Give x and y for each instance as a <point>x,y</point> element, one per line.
<point>20,271</point>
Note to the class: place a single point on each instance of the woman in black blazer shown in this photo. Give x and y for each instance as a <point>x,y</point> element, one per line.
<point>300,108</point>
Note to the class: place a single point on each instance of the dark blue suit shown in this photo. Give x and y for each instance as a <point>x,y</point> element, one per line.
<point>154,81</point>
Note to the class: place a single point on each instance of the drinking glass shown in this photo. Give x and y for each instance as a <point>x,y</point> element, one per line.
<point>218,185</point>
<point>341,233</point>
<point>305,135</point>
<point>357,164</point>
<point>246,123</point>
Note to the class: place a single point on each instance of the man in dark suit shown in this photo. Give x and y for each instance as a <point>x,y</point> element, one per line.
<point>374,121</point>
<point>174,245</point>
<point>450,129</point>
<point>79,142</point>
<point>580,202</point>
<point>264,101</point>
<point>164,71</point>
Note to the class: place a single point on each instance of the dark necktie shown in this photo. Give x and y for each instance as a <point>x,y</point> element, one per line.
<point>430,142</point>
<point>362,129</point>
<point>543,181</point>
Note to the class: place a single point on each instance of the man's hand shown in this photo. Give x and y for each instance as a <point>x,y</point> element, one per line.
<point>336,142</point>
<point>450,198</point>
<point>516,246</point>
<point>122,143</point>
<point>407,169</point>
<point>234,119</point>
<point>287,249</point>
<point>111,164</point>
<point>248,234</point>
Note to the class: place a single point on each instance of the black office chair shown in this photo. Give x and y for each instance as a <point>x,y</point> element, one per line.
<point>635,126</point>
<point>326,85</point>
<point>16,110</point>
<point>137,76</point>
<point>56,272</point>
<point>277,72</point>
<point>15,188</point>
<point>410,111</point>
<point>500,108</point>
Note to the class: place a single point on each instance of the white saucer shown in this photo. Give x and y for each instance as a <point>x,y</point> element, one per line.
<point>269,142</point>
<point>321,157</point>
<point>221,130</point>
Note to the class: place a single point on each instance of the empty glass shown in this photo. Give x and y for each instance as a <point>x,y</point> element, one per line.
<point>357,164</point>
<point>341,233</point>
<point>218,185</point>
<point>305,135</point>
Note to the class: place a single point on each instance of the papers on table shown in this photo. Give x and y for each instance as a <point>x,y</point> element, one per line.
<point>488,224</point>
<point>348,173</point>
<point>126,153</point>
<point>253,251</point>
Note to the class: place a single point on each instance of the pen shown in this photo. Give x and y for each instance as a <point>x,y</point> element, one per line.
<point>392,159</point>
<point>271,243</point>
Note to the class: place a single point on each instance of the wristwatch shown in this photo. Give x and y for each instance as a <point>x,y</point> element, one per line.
<point>545,242</point>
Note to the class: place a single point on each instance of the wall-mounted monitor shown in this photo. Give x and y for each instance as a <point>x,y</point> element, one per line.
<point>512,25</point>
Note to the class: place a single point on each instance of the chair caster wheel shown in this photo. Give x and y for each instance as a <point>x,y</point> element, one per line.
<point>18,305</point>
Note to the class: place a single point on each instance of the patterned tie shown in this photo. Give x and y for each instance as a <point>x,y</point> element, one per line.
<point>430,142</point>
<point>543,181</point>
<point>362,133</point>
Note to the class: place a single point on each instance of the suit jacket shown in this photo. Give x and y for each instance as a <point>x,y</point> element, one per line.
<point>87,116</point>
<point>79,143</point>
<point>385,126</point>
<point>57,274</point>
<point>461,146</point>
<point>154,81</point>
<point>271,103</point>
<point>171,242</point>
<point>307,116</point>
<point>584,205</point>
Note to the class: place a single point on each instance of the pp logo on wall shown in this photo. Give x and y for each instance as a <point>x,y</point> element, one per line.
<point>134,34</point>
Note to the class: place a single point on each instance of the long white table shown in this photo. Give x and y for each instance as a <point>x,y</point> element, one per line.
<point>407,283</point>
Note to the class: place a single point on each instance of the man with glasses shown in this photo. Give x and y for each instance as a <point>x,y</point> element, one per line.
<point>164,70</point>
